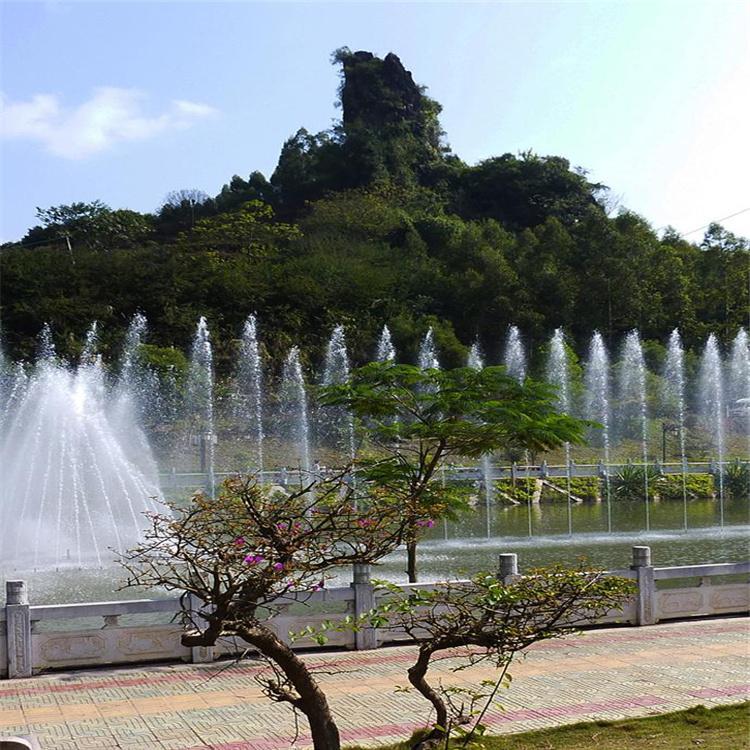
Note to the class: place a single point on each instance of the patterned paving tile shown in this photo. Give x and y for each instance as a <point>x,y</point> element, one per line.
<point>600,674</point>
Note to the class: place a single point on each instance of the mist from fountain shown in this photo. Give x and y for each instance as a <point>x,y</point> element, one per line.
<point>711,407</point>
<point>673,400</point>
<point>199,401</point>
<point>597,404</point>
<point>72,491</point>
<point>632,397</point>
<point>558,375</point>
<point>249,390</point>
<point>294,409</point>
<point>385,351</point>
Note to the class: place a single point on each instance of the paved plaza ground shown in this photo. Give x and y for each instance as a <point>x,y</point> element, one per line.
<point>612,673</point>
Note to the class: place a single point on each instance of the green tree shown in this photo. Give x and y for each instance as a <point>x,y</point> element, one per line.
<point>416,420</point>
<point>250,230</point>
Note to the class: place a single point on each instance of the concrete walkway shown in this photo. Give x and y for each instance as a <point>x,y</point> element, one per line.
<point>609,674</point>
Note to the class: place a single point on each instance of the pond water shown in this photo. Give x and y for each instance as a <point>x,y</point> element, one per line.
<point>461,548</point>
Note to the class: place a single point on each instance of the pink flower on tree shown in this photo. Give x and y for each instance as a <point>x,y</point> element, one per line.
<point>278,566</point>
<point>254,559</point>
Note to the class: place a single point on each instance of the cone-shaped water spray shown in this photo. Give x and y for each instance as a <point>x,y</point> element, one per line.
<point>385,351</point>
<point>335,421</point>
<point>294,410</point>
<point>72,486</point>
<point>514,356</point>
<point>475,358</point>
<point>428,359</point>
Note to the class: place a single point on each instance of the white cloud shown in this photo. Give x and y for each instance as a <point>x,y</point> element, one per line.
<point>112,115</point>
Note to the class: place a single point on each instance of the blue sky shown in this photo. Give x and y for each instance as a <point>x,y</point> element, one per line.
<point>126,101</point>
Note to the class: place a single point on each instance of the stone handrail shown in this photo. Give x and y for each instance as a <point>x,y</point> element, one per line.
<point>198,479</point>
<point>26,650</point>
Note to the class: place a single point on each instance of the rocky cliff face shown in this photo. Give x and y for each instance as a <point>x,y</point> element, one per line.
<point>381,94</point>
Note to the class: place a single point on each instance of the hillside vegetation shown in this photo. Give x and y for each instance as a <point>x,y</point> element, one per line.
<point>374,221</point>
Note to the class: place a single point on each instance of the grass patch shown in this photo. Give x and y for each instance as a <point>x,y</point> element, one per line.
<point>720,728</point>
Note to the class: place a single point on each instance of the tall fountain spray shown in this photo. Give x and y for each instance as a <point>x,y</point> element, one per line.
<point>514,359</point>
<point>337,419</point>
<point>711,407</point>
<point>673,400</point>
<point>475,360</point>
<point>514,356</point>
<point>633,402</point>
<point>131,375</point>
<point>558,375</point>
<point>597,404</point>
<point>385,351</point>
<point>294,409</point>
<point>249,389</point>
<point>138,389</point>
<point>428,359</point>
<point>739,386</point>
<point>199,401</point>
<point>72,487</point>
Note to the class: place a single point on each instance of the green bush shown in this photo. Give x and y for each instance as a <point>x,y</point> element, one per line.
<point>630,482</point>
<point>737,479</point>
<point>697,486</point>
<point>521,492</point>
<point>585,488</point>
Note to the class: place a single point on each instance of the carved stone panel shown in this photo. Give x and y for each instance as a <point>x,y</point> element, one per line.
<point>65,648</point>
<point>685,602</point>
<point>730,598</point>
<point>150,642</point>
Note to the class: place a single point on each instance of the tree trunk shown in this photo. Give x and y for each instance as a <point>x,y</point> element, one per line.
<point>417,674</point>
<point>411,561</point>
<point>312,700</point>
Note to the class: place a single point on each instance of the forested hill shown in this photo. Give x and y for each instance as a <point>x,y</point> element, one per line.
<point>374,221</point>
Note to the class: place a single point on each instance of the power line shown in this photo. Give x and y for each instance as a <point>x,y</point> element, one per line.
<point>716,221</point>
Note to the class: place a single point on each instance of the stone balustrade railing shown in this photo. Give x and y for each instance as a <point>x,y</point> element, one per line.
<point>198,480</point>
<point>98,633</point>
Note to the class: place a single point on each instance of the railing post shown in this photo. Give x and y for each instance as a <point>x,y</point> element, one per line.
<point>18,624</point>
<point>199,654</point>
<point>508,567</point>
<point>364,600</point>
<point>645,613</point>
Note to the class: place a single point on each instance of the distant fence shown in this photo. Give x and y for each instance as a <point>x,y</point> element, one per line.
<point>95,634</point>
<point>198,479</point>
